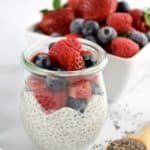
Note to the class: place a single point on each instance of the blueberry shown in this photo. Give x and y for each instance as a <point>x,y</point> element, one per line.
<point>89,60</point>
<point>42,61</point>
<point>90,27</point>
<point>76,26</point>
<point>139,38</point>
<point>123,6</point>
<point>148,35</point>
<point>50,45</point>
<point>96,89</point>
<point>91,38</point>
<point>56,34</point>
<point>79,105</point>
<point>106,34</point>
<point>56,84</point>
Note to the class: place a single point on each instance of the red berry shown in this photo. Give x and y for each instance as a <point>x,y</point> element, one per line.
<point>73,4</point>
<point>124,47</point>
<point>34,82</point>
<point>57,21</point>
<point>138,20</point>
<point>96,9</point>
<point>51,100</point>
<point>81,90</point>
<point>67,54</point>
<point>122,22</point>
<point>85,52</point>
<point>75,61</point>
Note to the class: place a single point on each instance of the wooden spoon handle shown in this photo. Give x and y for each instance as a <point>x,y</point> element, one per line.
<point>143,136</point>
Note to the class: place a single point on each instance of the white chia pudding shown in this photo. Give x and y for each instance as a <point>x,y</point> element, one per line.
<point>66,128</point>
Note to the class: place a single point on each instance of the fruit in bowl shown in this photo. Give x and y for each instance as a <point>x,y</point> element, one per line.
<point>109,23</point>
<point>64,102</point>
<point>123,32</point>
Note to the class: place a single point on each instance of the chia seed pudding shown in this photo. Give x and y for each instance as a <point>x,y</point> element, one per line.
<point>64,102</point>
<point>66,128</point>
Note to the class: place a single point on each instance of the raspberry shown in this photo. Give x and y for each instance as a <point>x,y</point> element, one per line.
<point>51,100</point>
<point>66,53</point>
<point>124,47</point>
<point>122,22</point>
<point>80,90</point>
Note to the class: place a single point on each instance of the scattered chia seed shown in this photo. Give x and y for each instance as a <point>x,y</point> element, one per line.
<point>123,122</point>
<point>126,144</point>
<point>129,132</point>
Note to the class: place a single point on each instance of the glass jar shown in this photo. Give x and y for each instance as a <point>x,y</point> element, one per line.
<point>69,116</point>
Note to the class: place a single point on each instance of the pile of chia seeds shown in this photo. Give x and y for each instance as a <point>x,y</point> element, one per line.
<point>126,144</point>
<point>120,123</point>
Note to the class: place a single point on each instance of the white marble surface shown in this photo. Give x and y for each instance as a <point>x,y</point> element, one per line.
<point>15,16</point>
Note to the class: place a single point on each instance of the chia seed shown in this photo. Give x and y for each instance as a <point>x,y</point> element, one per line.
<point>126,144</point>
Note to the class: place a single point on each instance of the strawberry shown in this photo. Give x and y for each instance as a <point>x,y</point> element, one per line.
<point>81,90</point>
<point>96,9</point>
<point>66,53</point>
<point>51,100</point>
<point>57,21</point>
<point>122,22</point>
<point>138,20</point>
<point>73,4</point>
<point>124,47</point>
<point>35,82</point>
<point>74,80</point>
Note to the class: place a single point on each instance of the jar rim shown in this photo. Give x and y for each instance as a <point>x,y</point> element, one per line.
<point>28,65</point>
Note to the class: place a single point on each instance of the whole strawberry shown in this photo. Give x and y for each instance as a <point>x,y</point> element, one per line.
<point>138,20</point>
<point>73,4</point>
<point>124,47</point>
<point>122,22</point>
<point>96,9</point>
<point>57,21</point>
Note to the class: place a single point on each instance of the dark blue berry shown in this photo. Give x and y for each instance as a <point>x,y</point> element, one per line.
<point>42,61</point>
<point>91,38</point>
<point>148,35</point>
<point>106,34</point>
<point>79,105</point>
<point>89,60</point>
<point>56,34</point>
<point>90,27</point>
<point>139,38</point>
<point>50,45</point>
<point>76,26</point>
<point>96,89</point>
<point>55,83</point>
<point>123,6</point>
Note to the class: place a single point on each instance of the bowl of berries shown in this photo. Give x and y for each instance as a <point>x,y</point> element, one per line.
<point>64,101</point>
<point>123,32</point>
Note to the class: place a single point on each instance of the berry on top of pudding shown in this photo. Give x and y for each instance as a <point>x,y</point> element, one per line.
<point>52,92</point>
<point>67,55</point>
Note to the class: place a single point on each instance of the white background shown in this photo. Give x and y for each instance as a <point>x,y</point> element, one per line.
<point>15,16</point>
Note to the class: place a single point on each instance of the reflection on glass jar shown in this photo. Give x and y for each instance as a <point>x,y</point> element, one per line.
<point>63,110</point>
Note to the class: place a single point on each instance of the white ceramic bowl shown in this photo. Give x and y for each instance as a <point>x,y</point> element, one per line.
<point>121,74</point>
